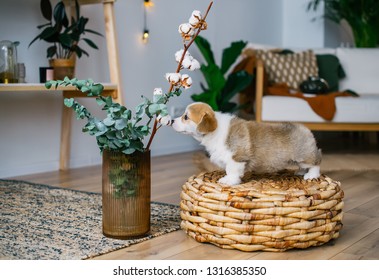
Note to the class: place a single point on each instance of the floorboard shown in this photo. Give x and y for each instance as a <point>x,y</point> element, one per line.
<point>359,238</point>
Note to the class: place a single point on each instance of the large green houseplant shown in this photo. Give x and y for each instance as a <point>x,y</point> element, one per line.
<point>120,137</point>
<point>222,87</point>
<point>361,15</point>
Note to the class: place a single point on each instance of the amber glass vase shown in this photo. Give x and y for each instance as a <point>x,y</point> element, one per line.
<point>126,194</point>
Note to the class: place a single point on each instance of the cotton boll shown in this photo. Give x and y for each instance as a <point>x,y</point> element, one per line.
<point>166,120</point>
<point>187,62</point>
<point>186,81</point>
<point>195,18</point>
<point>157,93</point>
<point>173,78</point>
<point>178,55</point>
<point>185,29</point>
<point>195,65</point>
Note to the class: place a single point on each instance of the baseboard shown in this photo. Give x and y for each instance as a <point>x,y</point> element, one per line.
<point>83,161</point>
<point>34,168</point>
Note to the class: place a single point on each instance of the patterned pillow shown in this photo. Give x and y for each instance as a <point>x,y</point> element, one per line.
<point>291,69</point>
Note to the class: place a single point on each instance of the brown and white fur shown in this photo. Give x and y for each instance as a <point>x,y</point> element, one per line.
<point>237,145</point>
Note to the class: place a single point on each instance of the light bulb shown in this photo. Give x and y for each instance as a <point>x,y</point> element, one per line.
<point>145,36</point>
<point>148,3</point>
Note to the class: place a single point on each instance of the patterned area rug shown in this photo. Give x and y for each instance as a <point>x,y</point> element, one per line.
<point>44,222</point>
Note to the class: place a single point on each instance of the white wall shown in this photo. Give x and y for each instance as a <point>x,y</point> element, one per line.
<point>298,28</point>
<point>30,122</point>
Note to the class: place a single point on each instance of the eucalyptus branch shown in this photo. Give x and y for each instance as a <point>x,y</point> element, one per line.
<point>120,129</point>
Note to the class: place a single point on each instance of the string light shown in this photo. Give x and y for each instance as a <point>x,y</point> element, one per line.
<point>145,35</point>
<point>148,3</point>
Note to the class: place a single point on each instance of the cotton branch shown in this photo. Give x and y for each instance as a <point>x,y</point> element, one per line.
<point>201,26</point>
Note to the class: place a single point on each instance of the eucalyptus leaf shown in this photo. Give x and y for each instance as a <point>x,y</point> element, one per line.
<point>120,124</point>
<point>109,121</point>
<point>69,102</point>
<point>129,151</point>
<point>154,109</point>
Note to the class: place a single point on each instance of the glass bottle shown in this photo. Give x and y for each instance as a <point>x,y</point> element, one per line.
<point>8,62</point>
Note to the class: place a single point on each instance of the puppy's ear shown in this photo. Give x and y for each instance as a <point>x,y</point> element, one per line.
<point>207,124</point>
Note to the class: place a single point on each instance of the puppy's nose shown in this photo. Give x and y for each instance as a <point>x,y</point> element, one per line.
<point>172,122</point>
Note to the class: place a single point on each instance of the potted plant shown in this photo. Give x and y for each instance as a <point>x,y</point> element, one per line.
<point>221,87</point>
<point>120,135</point>
<point>64,36</point>
<point>361,15</point>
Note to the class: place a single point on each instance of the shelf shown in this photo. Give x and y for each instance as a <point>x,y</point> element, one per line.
<point>69,91</point>
<point>110,89</point>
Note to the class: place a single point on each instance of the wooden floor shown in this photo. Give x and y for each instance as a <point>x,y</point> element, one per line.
<point>359,238</point>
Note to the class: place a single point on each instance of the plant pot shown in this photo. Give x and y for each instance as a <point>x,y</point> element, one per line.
<point>63,68</point>
<point>126,194</point>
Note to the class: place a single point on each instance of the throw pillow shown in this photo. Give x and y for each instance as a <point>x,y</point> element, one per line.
<point>330,69</point>
<point>291,69</point>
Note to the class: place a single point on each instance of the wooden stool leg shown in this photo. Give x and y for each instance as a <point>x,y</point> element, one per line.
<point>65,138</point>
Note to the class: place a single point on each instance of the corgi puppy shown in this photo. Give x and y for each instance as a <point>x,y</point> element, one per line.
<point>238,146</point>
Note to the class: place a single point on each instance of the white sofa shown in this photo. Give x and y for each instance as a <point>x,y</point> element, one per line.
<point>361,67</point>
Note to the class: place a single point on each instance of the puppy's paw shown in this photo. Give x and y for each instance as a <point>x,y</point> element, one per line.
<point>229,180</point>
<point>313,173</point>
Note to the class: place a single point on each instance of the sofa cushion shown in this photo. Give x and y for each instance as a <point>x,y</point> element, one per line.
<point>361,66</point>
<point>363,109</point>
<point>291,69</point>
<point>330,69</point>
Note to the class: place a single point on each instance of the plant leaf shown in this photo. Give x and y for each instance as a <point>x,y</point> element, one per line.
<point>205,49</point>
<point>97,89</point>
<point>236,82</point>
<point>230,54</point>
<point>93,32</point>
<point>90,43</point>
<point>69,102</point>
<point>212,74</point>
<point>209,97</point>
<point>65,40</point>
<point>129,151</point>
<point>48,33</point>
<point>153,109</point>
<point>60,15</point>
<point>44,25</point>
<point>35,39</point>
<point>120,124</point>
<point>51,51</point>
<point>228,107</point>
<point>46,9</point>
<point>109,121</point>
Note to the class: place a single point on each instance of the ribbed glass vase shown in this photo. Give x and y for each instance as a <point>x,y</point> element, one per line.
<point>126,194</point>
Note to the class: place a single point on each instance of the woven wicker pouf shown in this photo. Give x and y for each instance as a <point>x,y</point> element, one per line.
<point>273,212</point>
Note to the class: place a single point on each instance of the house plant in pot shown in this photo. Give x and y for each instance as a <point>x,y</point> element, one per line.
<point>120,137</point>
<point>64,37</point>
<point>222,86</point>
<point>361,15</point>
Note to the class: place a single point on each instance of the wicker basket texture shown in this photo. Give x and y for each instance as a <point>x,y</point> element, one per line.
<point>270,212</point>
